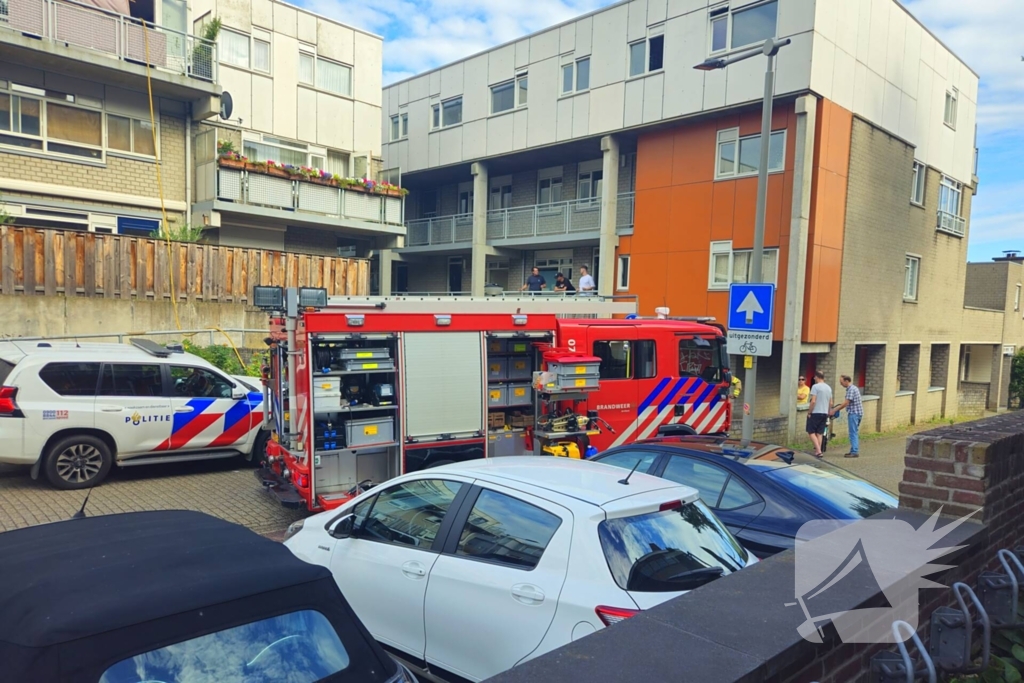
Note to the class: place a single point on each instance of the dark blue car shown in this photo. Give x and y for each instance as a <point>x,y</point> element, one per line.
<point>763,493</point>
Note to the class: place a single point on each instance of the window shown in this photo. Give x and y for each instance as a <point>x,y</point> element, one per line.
<point>737,495</point>
<point>742,27</point>
<point>1016,299</point>
<point>913,265</point>
<point>589,187</point>
<point>130,379</point>
<point>428,203</point>
<point>261,55</point>
<point>709,480</point>
<point>623,281</point>
<point>627,360</point>
<point>435,116</point>
<point>506,530</point>
<point>549,190</point>
<point>838,491</point>
<point>395,128</point>
<point>949,115</point>
<point>71,379</point>
<point>700,359</point>
<point>646,55</point>
<point>264,650</point>
<point>410,513</point>
<point>57,124</point>
<point>451,112</point>
<point>728,266</point>
<point>501,196</point>
<point>233,48</point>
<point>333,77</point>
<point>672,550</point>
<point>627,460</point>
<point>274,149</point>
<point>576,76</point>
<point>80,126</point>
<point>950,196</point>
<point>466,201</point>
<point>731,164</point>
<point>405,125</point>
<point>306,68</point>
<point>130,135</point>
<point>199,383</point>
<point>522,89</point>
<point>917,191</point>
<point>503,97</point>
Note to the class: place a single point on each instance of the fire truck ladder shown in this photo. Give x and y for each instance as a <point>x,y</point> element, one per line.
<point>580,305</point>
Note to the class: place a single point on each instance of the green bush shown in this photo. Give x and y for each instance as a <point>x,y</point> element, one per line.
<point>1017,380</point>
<point>224,358</point>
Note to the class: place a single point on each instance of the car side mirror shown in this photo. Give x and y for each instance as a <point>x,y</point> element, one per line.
<point>345,527</point>
<point>238,393</point>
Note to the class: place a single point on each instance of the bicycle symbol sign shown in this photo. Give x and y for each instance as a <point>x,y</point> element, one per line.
<point>749,343</point>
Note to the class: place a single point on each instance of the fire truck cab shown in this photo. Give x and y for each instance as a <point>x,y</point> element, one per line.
<point>363,389</point>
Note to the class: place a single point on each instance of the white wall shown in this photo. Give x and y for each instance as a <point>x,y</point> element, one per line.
<point>276,104</point>
<point>873,58</point>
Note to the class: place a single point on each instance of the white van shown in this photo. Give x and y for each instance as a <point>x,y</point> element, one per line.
<point>73,410</point>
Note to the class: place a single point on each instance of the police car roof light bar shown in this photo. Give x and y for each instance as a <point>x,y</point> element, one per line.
<point>151,347</point>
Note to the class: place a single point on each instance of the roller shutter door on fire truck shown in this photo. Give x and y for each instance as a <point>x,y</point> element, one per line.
<point>443,383</point>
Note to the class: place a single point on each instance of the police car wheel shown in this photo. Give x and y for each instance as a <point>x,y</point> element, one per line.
<point>258,454</point>
<point>77,462</point>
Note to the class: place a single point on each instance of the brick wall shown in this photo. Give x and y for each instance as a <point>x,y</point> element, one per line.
<point>907,366</point>
<point>972,397</point>
<point>128,176</point>
<point>902,409</point>
<point>986,285</point>
<point>939,364</point>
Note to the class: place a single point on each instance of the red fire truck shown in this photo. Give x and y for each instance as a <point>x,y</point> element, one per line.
<point>360,390</point>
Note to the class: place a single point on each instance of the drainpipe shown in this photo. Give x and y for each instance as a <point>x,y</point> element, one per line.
<point>188,165</point>
<point>803,174</point>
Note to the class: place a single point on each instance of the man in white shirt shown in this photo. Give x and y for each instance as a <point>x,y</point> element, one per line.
<point>820,407</point>
<point>586,281</point>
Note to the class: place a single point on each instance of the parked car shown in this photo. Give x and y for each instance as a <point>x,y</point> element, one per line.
<point>474,567</point>
<point>174,596</point>
<point>763,493</point>
<point>72,411</point>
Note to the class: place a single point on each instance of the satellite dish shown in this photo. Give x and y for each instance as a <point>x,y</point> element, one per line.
<point>226,105</point>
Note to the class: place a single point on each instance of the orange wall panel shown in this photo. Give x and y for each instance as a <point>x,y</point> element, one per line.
<point>743,219</point>
<point>689,226</point>
<point>693,158</point>
<point>653,210</point>
<point>656,171</point>
<point>723,210</point>
<point>648,282</point>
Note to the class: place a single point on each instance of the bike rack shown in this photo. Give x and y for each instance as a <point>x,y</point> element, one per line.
<point>893,667</point>
<point>952,630</point>
<point>1000,591</point>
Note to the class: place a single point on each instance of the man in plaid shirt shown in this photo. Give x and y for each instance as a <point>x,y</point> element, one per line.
<point>854,413</point>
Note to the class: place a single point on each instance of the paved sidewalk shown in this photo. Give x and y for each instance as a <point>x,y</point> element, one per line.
<point>222,488</point>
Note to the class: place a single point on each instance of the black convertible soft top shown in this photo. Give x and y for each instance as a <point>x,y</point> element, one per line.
<point>80,595</point>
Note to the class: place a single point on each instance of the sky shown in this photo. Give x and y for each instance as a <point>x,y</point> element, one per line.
<point>422,34</point>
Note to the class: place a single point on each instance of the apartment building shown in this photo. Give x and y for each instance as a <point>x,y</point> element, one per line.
<point>597,142</point>
<point>306,92</point>
<point>90,98</point>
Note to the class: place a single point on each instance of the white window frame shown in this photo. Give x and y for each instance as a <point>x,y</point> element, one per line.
<point>224,32</point>
<point>259,36</point>
<point>725,250</point>
<point>316,76</point>
<point>309,53</point>
<point>131,127</point>
<point>956,188</point>
<point>732,136</point>
<point>1016,298</point>
<point>950,110</point>
<point>574,77</point>
<point>316,157</point>
<point>554,177</point>
<point>657,32</point>
<point>586,179</point>
<point>622,283</point>
<point>404,132</point>
<point>435,116</point>
<point>724,13</point>
<point>911,276</point>
<point>519,84</point>
<point>395,131</point>
<point>441,106</point>
<point>45,99</point>
<point>501,188</point>
<point>919,183</point>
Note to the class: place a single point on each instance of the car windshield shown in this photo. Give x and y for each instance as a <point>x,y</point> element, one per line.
<point>842,493</point>
<point>672,550</point>
<point>300,647</point>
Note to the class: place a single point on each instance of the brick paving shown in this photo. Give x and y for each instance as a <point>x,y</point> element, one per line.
<point>222,488</point>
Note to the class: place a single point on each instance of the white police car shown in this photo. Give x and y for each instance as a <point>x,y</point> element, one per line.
<point>74,410</point>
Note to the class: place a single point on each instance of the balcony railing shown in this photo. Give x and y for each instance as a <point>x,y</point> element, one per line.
<point>268,191</point>
<point>951,224</point>
<point>119,36</point>
<point>540,220</point>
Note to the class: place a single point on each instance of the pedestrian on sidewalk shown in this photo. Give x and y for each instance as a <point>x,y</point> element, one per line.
<point>821,408</point>
<point>854,412</point>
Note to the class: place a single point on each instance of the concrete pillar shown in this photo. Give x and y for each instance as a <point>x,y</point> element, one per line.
<point>609,213</point>
<point>386,257</point>
<point>478,267</point>
<point>803,174</point>
<point>997,389</point>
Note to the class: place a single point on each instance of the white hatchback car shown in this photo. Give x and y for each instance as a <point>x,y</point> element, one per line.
<point>475,567</point>
<point>74,410</point>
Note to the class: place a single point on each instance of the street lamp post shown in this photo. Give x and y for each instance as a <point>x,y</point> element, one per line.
<point>769,49</point>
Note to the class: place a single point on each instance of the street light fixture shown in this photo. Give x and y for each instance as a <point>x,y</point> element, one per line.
<point>769,49</point>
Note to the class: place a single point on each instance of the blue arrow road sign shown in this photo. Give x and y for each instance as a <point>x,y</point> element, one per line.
<point>751,307</point>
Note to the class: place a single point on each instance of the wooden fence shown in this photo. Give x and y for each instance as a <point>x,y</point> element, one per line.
<point>42,261</point>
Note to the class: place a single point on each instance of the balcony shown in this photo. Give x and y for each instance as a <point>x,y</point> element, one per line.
<point>306,199</point>
<point>580,217</point>
<point>85,40</point>
<point>950,224</point>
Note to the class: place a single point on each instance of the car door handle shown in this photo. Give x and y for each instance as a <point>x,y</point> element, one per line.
<point>528,595</point>
<point>184,409</point>
<point>112,409</point>
<point>414,570</point>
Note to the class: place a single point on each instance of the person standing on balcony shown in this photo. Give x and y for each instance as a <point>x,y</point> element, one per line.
<point>564,285</point>
<point>534,283</point>
<point>587,284</point>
